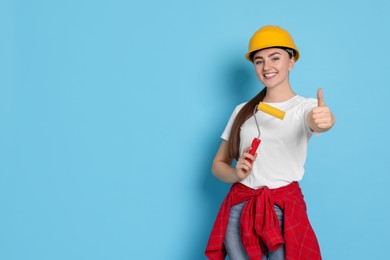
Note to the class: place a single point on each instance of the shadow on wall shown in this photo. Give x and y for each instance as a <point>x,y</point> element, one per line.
<point>241,84</point>
<point>235,82</point>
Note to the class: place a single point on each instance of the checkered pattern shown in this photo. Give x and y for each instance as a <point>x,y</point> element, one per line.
<point>260,223</point>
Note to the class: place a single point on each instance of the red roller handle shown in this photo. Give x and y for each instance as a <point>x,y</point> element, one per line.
<point>255,144</point>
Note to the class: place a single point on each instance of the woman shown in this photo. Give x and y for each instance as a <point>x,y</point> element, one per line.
<point>264,214</point>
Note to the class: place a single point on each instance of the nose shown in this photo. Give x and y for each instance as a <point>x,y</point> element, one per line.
<point>266,65</point>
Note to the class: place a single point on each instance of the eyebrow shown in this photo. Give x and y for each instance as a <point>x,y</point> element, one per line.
<point>261,57</point>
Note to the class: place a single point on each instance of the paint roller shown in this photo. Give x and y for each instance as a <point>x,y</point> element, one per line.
<point>273,111</point>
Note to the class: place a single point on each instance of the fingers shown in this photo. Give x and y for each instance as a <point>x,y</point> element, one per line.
<point>244,164</point>
<point>322,117</point>
<point>247,155</point>
<point>320,98</point>
<point>319,112</point>
<point>243,168</point>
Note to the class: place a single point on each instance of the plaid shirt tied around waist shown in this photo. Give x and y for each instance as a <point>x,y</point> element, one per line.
<point>260,223</point>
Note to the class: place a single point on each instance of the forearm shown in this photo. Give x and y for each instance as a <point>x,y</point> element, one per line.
<point>224,172</point>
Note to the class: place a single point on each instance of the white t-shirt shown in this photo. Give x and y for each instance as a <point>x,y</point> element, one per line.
<point>282,151</point>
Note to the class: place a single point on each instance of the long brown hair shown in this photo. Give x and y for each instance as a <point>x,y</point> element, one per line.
<point>245,113</point>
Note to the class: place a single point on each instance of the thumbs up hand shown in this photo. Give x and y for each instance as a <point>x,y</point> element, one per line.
<point>321,119</point>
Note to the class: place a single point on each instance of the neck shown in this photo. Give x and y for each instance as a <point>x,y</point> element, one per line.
<point>279,94</point>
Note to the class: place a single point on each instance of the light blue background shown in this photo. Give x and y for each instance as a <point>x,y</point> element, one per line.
<point>111,113</point>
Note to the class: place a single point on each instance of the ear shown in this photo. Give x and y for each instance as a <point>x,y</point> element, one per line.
<point>291,64</point>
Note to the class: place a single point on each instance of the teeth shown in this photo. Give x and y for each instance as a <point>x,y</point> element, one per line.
<point>269,75</point>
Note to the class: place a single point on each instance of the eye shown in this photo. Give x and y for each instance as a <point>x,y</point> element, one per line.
<point>258,62</point>
<point>275,58</point>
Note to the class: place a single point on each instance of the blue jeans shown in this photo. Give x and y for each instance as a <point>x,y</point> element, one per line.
<point>233,244</point>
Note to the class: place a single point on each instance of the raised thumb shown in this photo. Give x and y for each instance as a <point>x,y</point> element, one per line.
<point>320,98</point>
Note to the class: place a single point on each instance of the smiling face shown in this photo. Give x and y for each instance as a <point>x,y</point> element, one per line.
<point>272,67</point>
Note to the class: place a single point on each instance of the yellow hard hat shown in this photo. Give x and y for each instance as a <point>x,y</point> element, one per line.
<point>271,36</point>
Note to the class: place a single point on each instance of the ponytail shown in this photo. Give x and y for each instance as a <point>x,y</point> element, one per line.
<point>245,113</point>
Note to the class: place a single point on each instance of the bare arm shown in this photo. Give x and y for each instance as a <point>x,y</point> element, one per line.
<point>222,162</point>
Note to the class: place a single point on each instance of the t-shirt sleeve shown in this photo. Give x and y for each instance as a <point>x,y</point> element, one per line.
<point>226,133</point>
<point>308,106</point>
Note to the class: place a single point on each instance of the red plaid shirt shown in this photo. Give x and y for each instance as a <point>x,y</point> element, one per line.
<point>259,222</point>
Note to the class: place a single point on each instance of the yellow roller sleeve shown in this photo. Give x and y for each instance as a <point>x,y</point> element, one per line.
<point>271,110</point>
